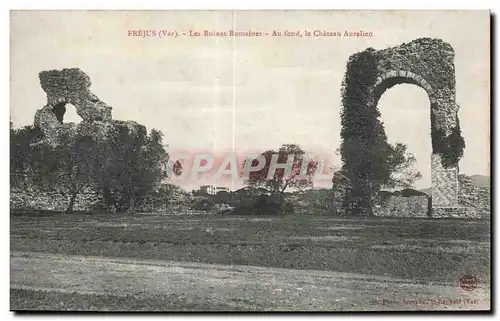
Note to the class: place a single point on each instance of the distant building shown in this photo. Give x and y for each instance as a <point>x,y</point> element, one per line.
<point>207,189</point>
<point>213,190</point>
<point>221,189</point>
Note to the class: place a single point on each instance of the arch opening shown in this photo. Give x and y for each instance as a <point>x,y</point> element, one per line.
<point>387,84</point>
<point>66,113</point>
<point>405,114</point>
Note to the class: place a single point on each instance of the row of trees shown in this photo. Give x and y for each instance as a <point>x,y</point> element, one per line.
<point>122,167</point>
<point>282,180</point>
<point>394,168</point>
<point>128,165</point>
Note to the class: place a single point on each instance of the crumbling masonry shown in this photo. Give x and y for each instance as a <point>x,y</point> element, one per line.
<point>72,86</point>
<point>429,64</point>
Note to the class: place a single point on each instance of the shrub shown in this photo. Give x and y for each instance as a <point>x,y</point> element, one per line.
<point>263,205</point>
<point>203,205</point>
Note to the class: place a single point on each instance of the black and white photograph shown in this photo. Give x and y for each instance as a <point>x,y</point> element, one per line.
<point>250,161</point>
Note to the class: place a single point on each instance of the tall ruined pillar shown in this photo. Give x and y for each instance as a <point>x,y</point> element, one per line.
<point>446,139</point>
<point>429,64</point>
<point>444,186</point>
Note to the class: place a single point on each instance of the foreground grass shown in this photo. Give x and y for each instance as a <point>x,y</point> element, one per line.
<point>27,300</point>
<point>418,249</point>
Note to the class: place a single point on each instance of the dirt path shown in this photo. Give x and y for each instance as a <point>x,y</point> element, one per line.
<point>242,287</point>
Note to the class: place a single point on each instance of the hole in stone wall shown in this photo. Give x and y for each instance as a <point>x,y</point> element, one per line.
<point>405,112</point>
<point>66,113</point>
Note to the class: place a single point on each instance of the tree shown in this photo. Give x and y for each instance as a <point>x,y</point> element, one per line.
<point>125,165</point>
<point>135,164</point>
<point>281,180</point>
<point>402,170</point>
<point>69,167</point>
<point>396,169</point>
<point>152,169</point>
<point>450,147</point>
<point>21,152</point>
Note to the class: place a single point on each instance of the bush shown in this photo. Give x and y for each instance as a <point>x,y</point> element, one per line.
<point>263,205</point>
<point>451,148</point>
<point>203,205</point>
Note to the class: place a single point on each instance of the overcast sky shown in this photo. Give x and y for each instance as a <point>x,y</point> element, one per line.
<point>250,93</point>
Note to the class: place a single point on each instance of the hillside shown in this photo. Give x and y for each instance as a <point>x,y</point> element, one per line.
<point>478,181</point>
<point>481,180</point>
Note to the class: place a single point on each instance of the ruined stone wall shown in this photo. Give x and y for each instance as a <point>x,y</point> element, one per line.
<point>456,212</point>
<point>471,195</point>
<point>70,86</point>
<point>445,184</point>
<point>429,64</point>
<point>73,86</point>
<point>29,198</point>
<point>425,62</point>
<point>474,202</point>
<point>62,87</point>
<point>400,206</point>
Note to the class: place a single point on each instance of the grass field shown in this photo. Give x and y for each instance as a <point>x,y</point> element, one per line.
<point>418,251</point>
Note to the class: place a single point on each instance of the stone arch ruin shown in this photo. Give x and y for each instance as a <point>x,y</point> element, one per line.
<point>68,86</point>
<point>429,64</point>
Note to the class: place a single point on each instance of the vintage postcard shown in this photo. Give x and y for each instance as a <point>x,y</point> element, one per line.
<point>250,160</point>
